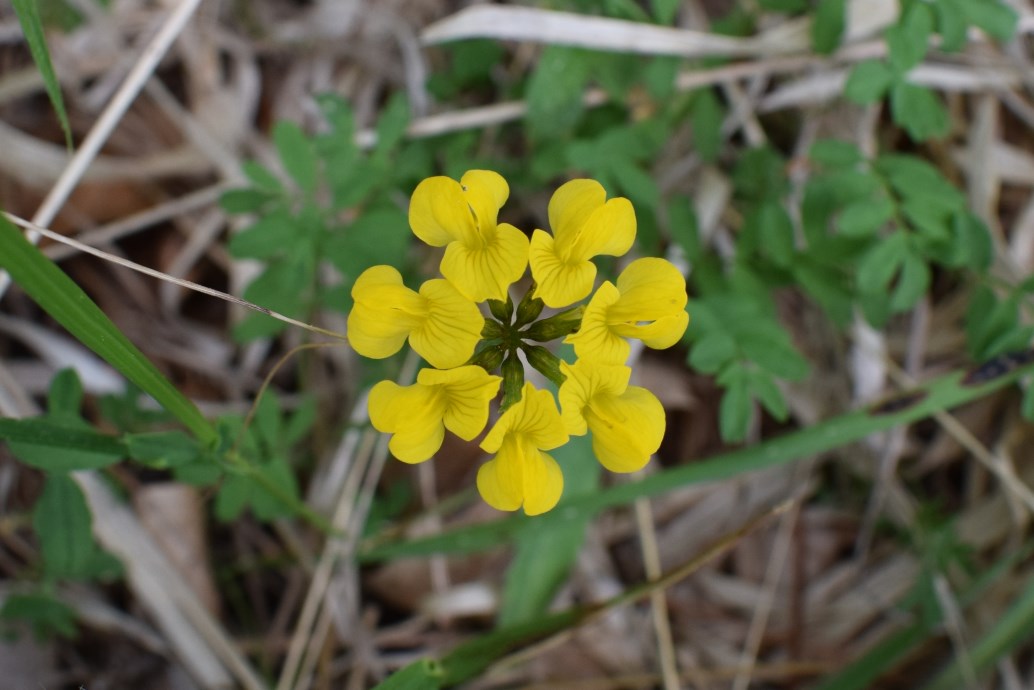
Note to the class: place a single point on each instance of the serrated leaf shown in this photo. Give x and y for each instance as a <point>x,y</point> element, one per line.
<point>297,154</point>
<point>32,29</point>
<point>868,82</point>
<point>919,111</point>
<point>827,26</point>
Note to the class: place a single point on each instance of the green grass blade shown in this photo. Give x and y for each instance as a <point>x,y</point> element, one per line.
<point>32,27</point>
<point>941,394</point>
<point>65,301</point>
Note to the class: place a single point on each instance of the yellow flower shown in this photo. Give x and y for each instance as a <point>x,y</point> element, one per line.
<point>520,473</point>
<point>627,422</point>
<point>418,415</point>
<point>442,325</point>
<point>648,303</point>
<point>482,258</point>
<point>584,225</point>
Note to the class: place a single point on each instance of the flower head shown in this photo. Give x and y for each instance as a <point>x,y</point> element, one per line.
<point>648,303</point>
<point>627,422</point>
<point>417,415</point>
<point>442,325</point>
<point>584,225</point>
<point>482,257</point>
<point>520,473</point>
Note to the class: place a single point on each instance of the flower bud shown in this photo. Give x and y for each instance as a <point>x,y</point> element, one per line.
<point>545,362</point>
<point>556,326</point>
<point>513,381</point>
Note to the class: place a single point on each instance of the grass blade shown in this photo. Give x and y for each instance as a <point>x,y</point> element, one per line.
<point>32,27</point>
<point>65,301</point>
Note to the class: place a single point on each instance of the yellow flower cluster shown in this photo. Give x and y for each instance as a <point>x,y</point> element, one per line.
<point>444,325</point>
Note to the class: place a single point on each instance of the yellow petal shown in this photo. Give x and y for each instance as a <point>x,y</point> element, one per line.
<point>413,414</point>
<point>650,288</point>
<point>534,417</point>
<point>626,429</point>
<point>452,329</point>
<point>384,313</point>
<point>595,340</point>
<point>439,212</point>
<point>486,271</point>
<point>610,229</point>
<point>521,475</point>
<point>571,205</point>
<point>586,380</point>
<point>662,333</point>
<point>558,282</point>
<point>467,391</point>
<point>486,192</point>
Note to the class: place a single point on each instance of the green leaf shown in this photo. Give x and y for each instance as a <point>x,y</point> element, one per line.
<point>868,82</point>
<point>65,301</point>
<point>919,111</point>
<point>994,17</point>
<point>827,26</point>
<point>63,525</point>
<point>162,449</point>
<point>261,177</point>
<point>423,674</point>
<point>972,242</point>
<point>737,406</point>
<point>774,353</point>
<point>665,10</point>
<point>271,235</point>
<point>880,263</point>
<point>866,217</point>
<point>380,236</point>
<point>47,445</point>
<point>392,124</point>
<point>706,119</point>
<point>833,153</point>
<point>763,387</point>
<point>772,231</point>
<point>712,352</point>
<point>912,283</point>
<point>951,24</point>
<point>297,154</point>
<point>44,613</point>
<point>907,40</point>
<point>554,92</point>
<point>245,200</point>
<point>32,28</point>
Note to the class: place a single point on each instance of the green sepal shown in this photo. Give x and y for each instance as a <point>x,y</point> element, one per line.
<point>556,326</point>
<point>501,310</point>
<point>545,362</point>
<point>489,358</point>
<point>513,381</point>
<point>529,308</point>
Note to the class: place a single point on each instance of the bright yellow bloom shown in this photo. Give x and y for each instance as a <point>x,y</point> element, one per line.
<point>442,325</point>
<point>584,225</point>
<point>482,258</point>
<point>520,473</point>
<point>627,422</point>
<point>648,303</point>
<point>418,415</point>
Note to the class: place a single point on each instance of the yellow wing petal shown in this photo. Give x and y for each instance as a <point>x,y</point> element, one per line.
<point>439,212</point>
<point>452,329</point>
